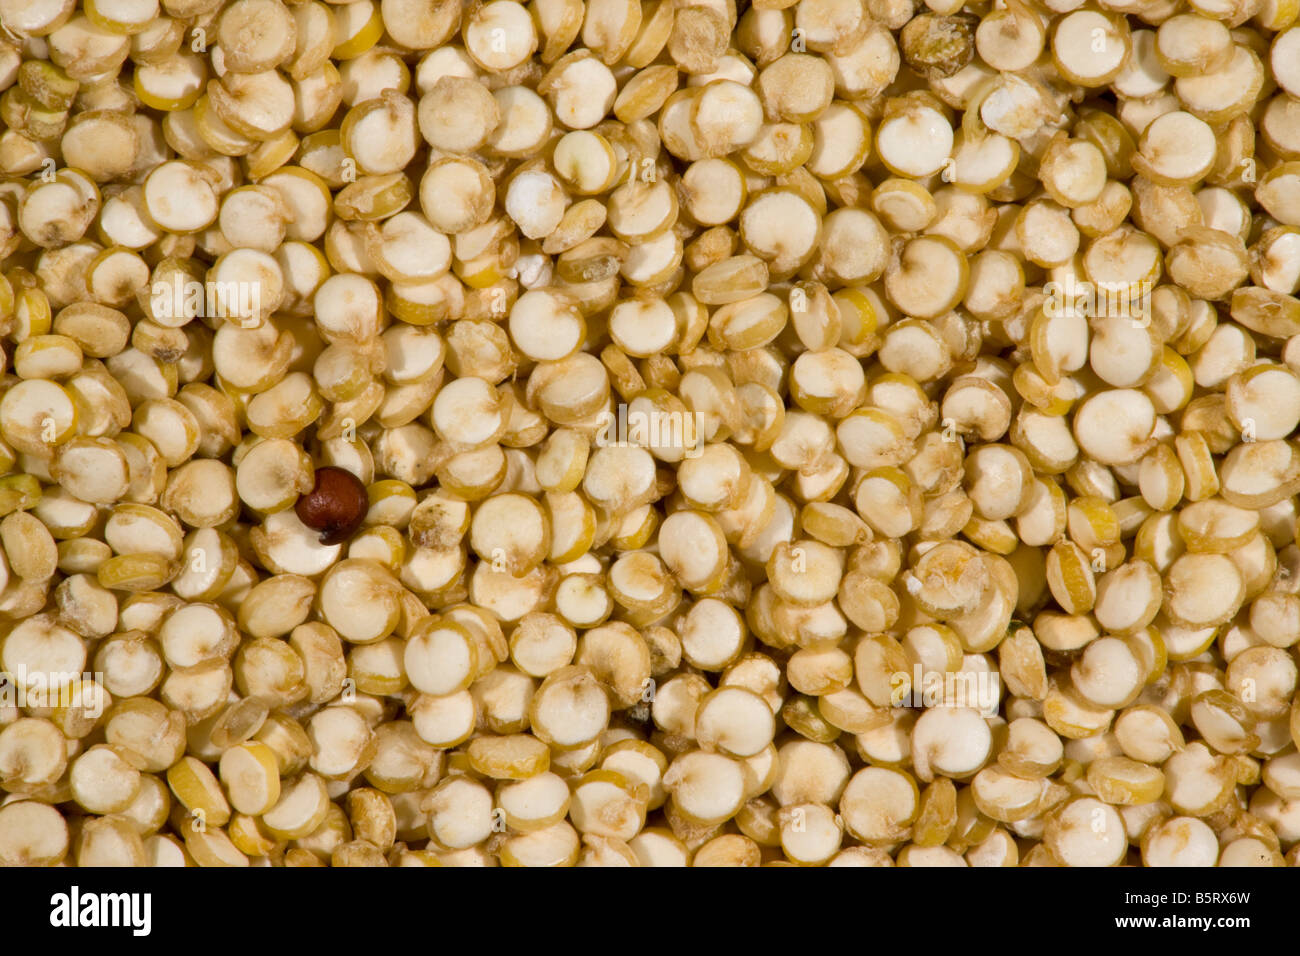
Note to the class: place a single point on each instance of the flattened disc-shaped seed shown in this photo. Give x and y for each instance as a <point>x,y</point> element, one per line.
<point>444,721</point>
<point>31,753</point>
<point>1147,734</point>
<point>1108,674</point>
<point>1202,590</point>
<point>1069,575</point>
<point>950,579</point>
<point>256,35</point>
<point>251,777</point>
<point>1284,58</point>
<point>25,18</point>
<point>335,505</point>
<point>730,280</point>
<point>458,114</point>
<point>1215,526</point>
<point>500,35</point>
<point>713,191</point>
<point>340,739</point>
<point>854,247</point>
<point>1264,402</point>
<point>570,708</point>
<point>712,635</point>
<point>102,781</point>
<point>36,415</point>
<point>806,572</point>
<point>698,39</point>
<point>179,199</point>
<point>1176,148</point>
<point>1180,841</point>
<point>779,225</point>
<point>1089,47</point>
<point>1191,43</point>
<point>514,757</point>
<point>556,845</point>
<point>706,788</point>
<point>1004,796</point>
<point>952,741</point>
<point>642,327</point>
<point>938,46</point>
<point>915,144</point>
<point>734,720</point>
<point>535,201</point>
<point>810,835</point>
<point>931,276</point>
<point>302,807</point>
<point>1114,427</point>
<point>606,804</point>
<point>878,805</point>
<point>440,658</point>
<point>54,214</point>
<point>726,116</point>
<point>1087,832</point>
<point>32,834</point>
<point>618,476</point>
<point>1128,597</point>
<point>1223,722</point>
<point>1126,782</point>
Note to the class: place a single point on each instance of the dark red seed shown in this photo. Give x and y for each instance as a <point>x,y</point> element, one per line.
<point>335,506</point>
